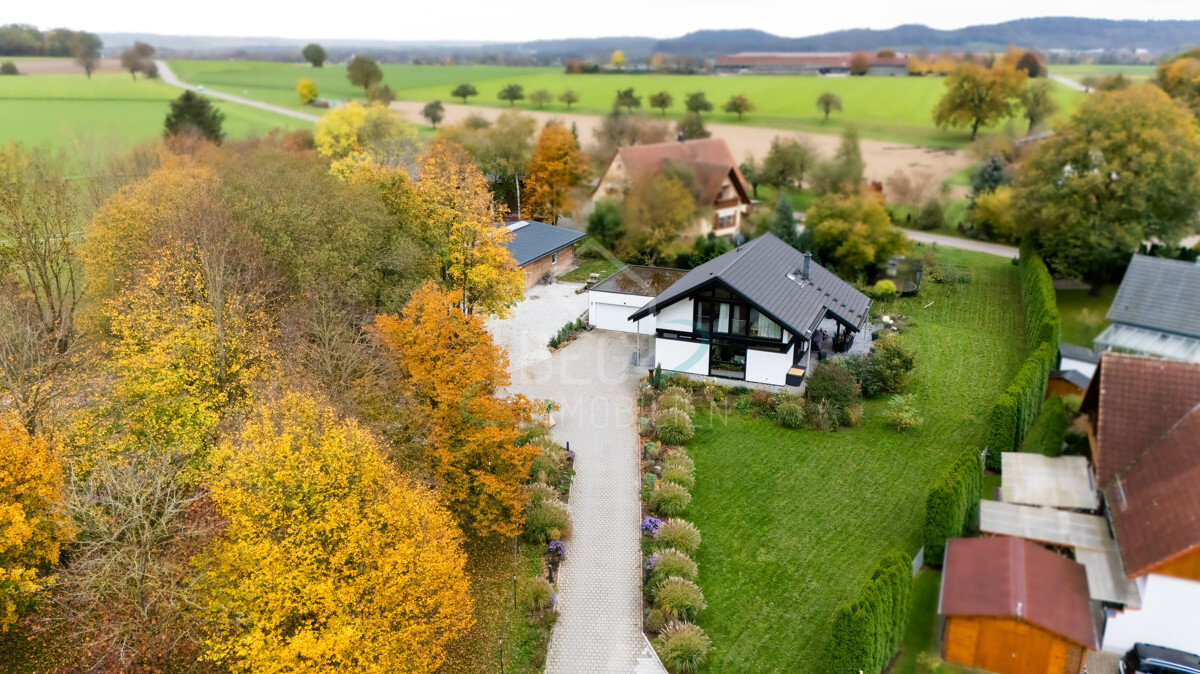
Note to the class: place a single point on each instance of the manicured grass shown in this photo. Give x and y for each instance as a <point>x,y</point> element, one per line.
<point>109,109</point>
<point>586,268</point>
<point>1138,73</point>
<point>1083,314</point>
<point>794,521</point>
<point>491,565</point>
<point>889,108</point>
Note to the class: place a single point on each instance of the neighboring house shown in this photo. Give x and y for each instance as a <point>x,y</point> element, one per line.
<point>818,63</point>
<point>611,301</point>
<point>1156,311</point>
<point>1014,607</point>
<point>540,249</point>
<point>752,313</point>
<point>723,190</point>
<point>1145,443</point>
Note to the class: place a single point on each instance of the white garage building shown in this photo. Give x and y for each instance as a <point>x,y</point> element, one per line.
<point>611,301</point>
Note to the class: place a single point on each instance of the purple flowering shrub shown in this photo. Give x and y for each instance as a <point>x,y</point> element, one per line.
<point>650,525</point>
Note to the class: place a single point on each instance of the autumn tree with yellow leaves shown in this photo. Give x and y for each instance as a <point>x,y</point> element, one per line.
<point>353,133</point>
<point>558,167</point>
<point>471,436</point>
<point>464,234</point>
<point>31,532</point>
<point>331,561</point>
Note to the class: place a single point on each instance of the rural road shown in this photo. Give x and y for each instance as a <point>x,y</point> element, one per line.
<point>964,244</point>
<point>882,158</point>
<point>164,71</point>
<point>1069,83</point>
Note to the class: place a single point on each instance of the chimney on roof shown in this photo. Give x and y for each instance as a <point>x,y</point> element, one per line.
<point>807,260</point>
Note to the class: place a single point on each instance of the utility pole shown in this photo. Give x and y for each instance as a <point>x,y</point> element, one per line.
<point>517,181</point>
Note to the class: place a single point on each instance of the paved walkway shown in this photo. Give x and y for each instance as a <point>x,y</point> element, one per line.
<point>600,598</point>
<point>964,244</point>
<point>1069,83</point>
<point>164,71</point>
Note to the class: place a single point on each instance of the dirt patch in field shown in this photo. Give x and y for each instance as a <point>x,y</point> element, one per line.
<point>64,67</point>
<point>882,158</point>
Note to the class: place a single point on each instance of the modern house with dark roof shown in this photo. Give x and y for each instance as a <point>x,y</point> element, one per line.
<point>1156,310</point>
<point>540,249</point>
<point>1145,443</point>
<point>752,314</point>
<point>1014,607</point>
<point>612,300</point>
<point>723,190</point>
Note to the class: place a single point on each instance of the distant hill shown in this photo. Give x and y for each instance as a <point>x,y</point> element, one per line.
<point>1069,33</point>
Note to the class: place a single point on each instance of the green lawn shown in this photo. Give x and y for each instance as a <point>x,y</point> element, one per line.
<point>1138,73</point>
<point>109,109</point>
<point>794,521</point>
<point>586,268</point>
<point>889,108</point>
<point>1083,314</point>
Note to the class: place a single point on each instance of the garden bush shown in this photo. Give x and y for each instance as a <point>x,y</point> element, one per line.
<point>547,521</point>
<point>884,289</point>
<point>886,369</point>
<point>537,593</point>
<point>818,416</point>
<point>682,647</point>
<point>679,599</point>
<point>548,465</point>
<point>674,426</point>
<point>540,491</point>
<point>854,415</point>
<point>676,398</point>
<point>1049,432</point>
<point>669,563</point>
<point>655,621</point>
<point>670,499</point>
<point>952,504</point>
<point>680,474</point>
<point>950,274</point>
<point>790,414</point>
<point>902,413</point>
<point>566,332</point>
<point>678,457</point>
<point>679,534</point>
<point>867,631</point>
<point>833,384</point>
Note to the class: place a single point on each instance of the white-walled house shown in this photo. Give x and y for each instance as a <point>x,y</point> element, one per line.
<point>751,314</point>
<point>614,299</point>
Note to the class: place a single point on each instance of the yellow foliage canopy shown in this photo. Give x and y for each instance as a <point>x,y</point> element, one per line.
<point>558,166</point>
<point>352,134</point>
<point>307,90</point>
<point>31,534</point>
<point>331,561</point>
<point>471,436</point>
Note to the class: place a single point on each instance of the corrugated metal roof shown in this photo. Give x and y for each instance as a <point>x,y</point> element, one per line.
<point>532,240</point>
<point>1159,294</point>
<point>767,272</point>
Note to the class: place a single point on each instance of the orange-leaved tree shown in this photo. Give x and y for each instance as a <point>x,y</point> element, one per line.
<point>464,230</point>
<point>31,533</point>
<point>331,561</point>
<point>471,436</point>
<point>557,167</point>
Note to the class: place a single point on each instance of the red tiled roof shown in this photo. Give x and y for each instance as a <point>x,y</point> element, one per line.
<point>710,157</point>
<point>1006,577</point>
<point>1155,502</point>
<point>1133,402</point>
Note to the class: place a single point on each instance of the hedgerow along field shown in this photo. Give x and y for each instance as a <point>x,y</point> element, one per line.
<point>887,108</point>
<point>110,109</point>
<point>793,521</point>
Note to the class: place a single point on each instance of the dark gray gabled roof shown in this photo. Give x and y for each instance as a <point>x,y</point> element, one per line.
<point>766,271</point>
<point>532,240</point>
<point>1076,352</point>
<point>1159,294</point>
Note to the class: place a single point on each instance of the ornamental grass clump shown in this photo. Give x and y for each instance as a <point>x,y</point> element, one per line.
<point>682,647</point>
<point>674,426</point>
<point>676,398</point>
<point>670,563</point>
<point>679,599</point>
<point>669,499</point>
<point>547,521</point>
<point>539,491</point>
<point>679,473</point>
<point>789,414</point>
<point>655,621</point>
<point>678,457</point>
<point>679,534</point>
<point>902,413</point>
<point>537,594</point>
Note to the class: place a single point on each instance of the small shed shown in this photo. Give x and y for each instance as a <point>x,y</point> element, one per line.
<point>1014,607</point>
<point>612,300</point>
<point>540,249</point>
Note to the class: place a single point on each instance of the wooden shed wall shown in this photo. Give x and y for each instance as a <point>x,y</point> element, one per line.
<point>1186,566</point>
<point>1008,646</point>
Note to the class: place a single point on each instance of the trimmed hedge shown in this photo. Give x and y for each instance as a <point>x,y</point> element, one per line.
<point>867,631</point>
<point>1021,401</point>
<point>1049,433</point>
<point>952,504</point>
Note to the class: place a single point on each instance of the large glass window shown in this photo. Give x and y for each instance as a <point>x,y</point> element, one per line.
<point>761,326</point>
<point>733,318</point>
<point>727,359</point>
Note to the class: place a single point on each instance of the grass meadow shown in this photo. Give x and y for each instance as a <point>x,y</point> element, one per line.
<point>1137,73</point>
<point>109,109</point>
<point>887,108</point>
<point>793,521</point>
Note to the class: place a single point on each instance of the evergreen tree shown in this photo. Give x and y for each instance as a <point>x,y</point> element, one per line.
<point>191,113</point>
<point>784,224</point>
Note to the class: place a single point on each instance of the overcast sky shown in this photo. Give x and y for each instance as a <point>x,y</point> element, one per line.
<point>520,20</point>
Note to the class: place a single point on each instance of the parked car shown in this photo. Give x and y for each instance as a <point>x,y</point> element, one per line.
<point>1150,659</point>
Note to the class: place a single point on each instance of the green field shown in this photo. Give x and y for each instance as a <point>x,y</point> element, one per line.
<point>887,108</point>
<point>1138,73</point>
<point>1083,314</point>
<point>794,521</point>
<point>109,109</point>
